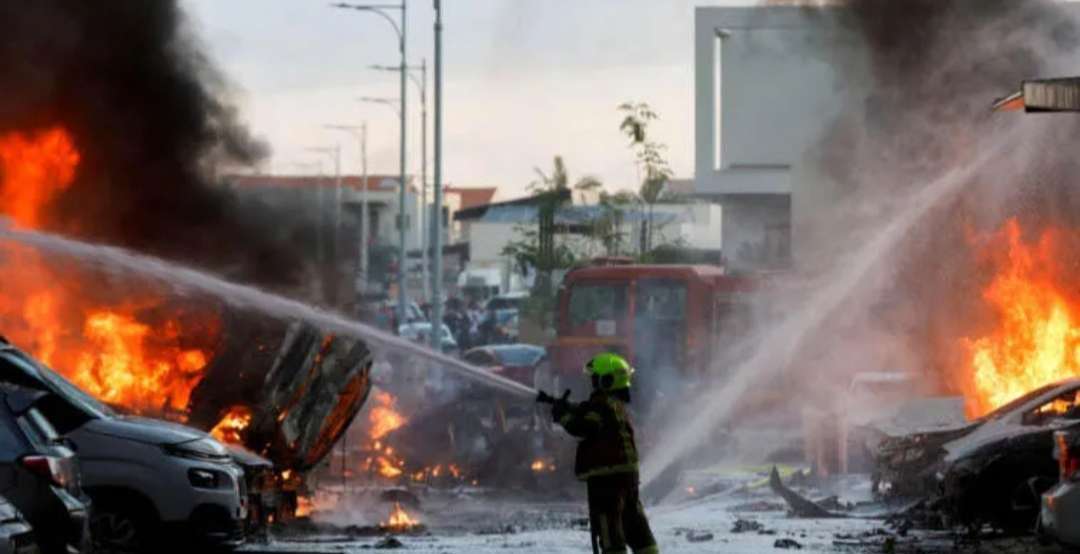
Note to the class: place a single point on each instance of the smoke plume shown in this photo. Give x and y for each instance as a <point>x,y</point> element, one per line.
<point>934,69</point>
<point>149,116</point>
<point>889,199</point>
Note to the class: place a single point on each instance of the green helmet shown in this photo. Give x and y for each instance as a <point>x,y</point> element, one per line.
<point>611,372</point>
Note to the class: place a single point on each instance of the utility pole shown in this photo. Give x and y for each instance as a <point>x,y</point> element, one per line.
<point>421,85</point>
<point>436,216</point>
<point>402,219</point>
<point>359,132</point>
<point>365,225</point>
<point>329,265</point>
<point>424,243</point>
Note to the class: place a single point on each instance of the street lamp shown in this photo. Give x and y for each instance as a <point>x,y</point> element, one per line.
<point>334,152</point>
<point>359,132</point>
<point>421,85</point>
<point>437,268</point>
<point>382,10</point>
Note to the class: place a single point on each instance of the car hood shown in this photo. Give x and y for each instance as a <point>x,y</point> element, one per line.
<point>994,432</point>
<point>144,430</point>
<point>248,459</point>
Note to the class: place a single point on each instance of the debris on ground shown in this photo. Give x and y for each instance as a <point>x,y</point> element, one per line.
<point>699,536</point>
<point>747,526</point>
<point>787,544</point>
<point>389,543</point>
<point>758,507</point>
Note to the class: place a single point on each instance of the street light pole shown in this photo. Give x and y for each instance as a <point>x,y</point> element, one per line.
<point>359,132</point>
<point>436,216</point>
<point>402,221</point>
<point>335,155</point>
<point>421,86</point>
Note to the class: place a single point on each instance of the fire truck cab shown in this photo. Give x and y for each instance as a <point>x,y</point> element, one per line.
<point>668,320</point>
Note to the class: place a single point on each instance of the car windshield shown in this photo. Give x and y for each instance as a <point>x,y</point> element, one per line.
<point>86,403</point>
<point>1003,410</point>
<point>519,356</point>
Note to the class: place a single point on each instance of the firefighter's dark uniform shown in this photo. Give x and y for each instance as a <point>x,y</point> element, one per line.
<point>607,461</point>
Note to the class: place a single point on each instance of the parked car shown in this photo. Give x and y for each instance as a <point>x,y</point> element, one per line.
<point>1059,516</point>
<point>413,313</point>
<point>508,301</point>
<point>419,332</point>
<point>40,475</point>
<point>499,327</point>
<point>151,482</point>
<point>993,469</point>
<point>16,535</point>
<point>514,361</point>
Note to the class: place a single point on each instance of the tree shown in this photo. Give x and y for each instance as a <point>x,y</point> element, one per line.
<point>538,248</point>
<point>653,167</point>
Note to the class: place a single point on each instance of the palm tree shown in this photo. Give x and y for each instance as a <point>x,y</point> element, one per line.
<point>649,158</point>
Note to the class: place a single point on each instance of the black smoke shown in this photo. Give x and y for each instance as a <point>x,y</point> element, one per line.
<point>150,116</point>
<point>922,107</point>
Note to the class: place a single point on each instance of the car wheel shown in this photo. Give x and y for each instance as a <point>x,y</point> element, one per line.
<point>117,530</point>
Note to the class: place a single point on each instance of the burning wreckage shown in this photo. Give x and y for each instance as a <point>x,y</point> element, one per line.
<point>990,471</point>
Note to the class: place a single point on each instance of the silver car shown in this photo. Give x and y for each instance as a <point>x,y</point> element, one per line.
<point>151,482</point>
<point>16,537</point>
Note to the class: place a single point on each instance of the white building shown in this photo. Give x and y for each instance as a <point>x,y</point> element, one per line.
<point>765,93</point>
<point>490,228</point>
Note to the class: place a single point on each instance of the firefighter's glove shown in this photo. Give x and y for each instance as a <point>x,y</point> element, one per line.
<point>559,409</point>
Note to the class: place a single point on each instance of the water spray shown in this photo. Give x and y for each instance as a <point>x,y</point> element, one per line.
<point>181,277</point>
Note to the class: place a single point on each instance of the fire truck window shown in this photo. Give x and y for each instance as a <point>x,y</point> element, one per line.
<point>591,303</point>
<point>661,300</point>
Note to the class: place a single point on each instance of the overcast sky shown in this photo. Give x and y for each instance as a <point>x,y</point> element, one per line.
<point>525,80</point>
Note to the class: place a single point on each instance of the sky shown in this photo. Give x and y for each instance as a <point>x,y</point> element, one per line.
<point>524,80</point>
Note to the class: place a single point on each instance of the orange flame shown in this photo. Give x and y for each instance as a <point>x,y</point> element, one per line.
<point>1037,339</point>
<point>383,416</point>
<point>542,466</point>
<point>123,352</point>
<point>35,168</point>
<point>400,519</point>
<point>231,426</point>
<point>321,501</point>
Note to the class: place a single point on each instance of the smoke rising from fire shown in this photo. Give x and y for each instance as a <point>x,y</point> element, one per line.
<point>934,68</point>
<point>150,118</point>
<point>890,197</point>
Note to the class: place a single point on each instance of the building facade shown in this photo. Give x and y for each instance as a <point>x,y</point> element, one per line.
<point>765,91</point>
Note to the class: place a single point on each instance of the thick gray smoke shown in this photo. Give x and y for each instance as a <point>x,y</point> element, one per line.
<point>917,164</point>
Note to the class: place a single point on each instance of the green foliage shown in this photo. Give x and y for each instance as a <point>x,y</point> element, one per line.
<point>650,161</point>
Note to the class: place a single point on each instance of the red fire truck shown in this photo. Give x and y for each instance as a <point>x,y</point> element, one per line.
<point>666,319</point>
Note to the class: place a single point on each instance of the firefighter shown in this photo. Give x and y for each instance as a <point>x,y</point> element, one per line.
<point>607,458</point>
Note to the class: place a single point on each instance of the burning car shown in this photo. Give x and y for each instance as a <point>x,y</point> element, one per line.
<point>992,469</point>
<point>146,478</point>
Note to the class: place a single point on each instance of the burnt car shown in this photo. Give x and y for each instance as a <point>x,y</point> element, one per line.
<point>39,474</point>
<point>513,361</point>
<point>1059,518</point>
<point>992,470</point>
<point>16,535</point>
